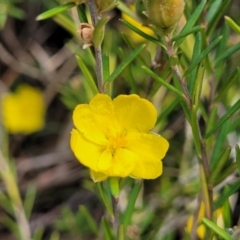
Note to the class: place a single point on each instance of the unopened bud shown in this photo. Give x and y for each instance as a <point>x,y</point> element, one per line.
<point>164,13</point>
<point>85,33</point>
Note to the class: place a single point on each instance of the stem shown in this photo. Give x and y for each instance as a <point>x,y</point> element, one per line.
<point>98,50</point>
<point>177,72</point>
<point>198,140</point>
<point>13,192</point>
<point>116,215</point>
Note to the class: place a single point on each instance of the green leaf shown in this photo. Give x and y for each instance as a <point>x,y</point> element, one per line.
<point>106,67</point>
<point>196,52</point>
<point>218,166</point>
<point>89,219</point>
<point>141,33</point>
<point>237,150</point>
<point>3,14</point>
<point>5,203</point>
<point>228,53</point>
<point>218,13</point>
<point>125,63</point>
<point>54,11</point>
<point>198,85</point>
<point>99,30</point>
<point>16,12</point>
<point>162,81</point>
<point>11,225</point>
<point>121,233</point>
<point>105,198</point>
<point>87,75</point>
<point>55,236</point>
<point>195,130</point>
<point>108,235</point>
<point>131,204</point>
<point>203,54</point>
<point>38,234</point>
<point>191,21</point>
<point>188,32</point>
<point>66,23</point>
<point>233,24</point>
<point>219,143</point>
<point>81,13</point>
<point>226,85</point>
<point>29,200</point>
<point>219,231</point>
<point>228,191</point>
<point>227,172</point>
<point>167,110</point>
<point>224,118</point>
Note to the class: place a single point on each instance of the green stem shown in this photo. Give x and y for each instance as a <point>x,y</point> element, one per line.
<point>98,50</point>
<point>198,140</point>
<point>13,192</point>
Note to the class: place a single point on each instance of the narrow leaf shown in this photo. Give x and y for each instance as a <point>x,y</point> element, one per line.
<point>219,231</point>
<point>191,21</point>
<point>203,54</point>
<point>228,53</point>
<point>198,84</point>
<point>54,11</point>
<point>196,52</point>
<point>131,203</point>
<point>226,85</point>
<point>219,143</point>
<point>221,161</point>
<point>237,150</point>
<point>141,33</point>
<point>107,230</point>
<point>228,191</point>
<point>106,199</point>
<point>186,33</point>
<point>233,24</point>
<point>219,12</point>
<point>87,75</point>
<point>125,63</point>
<point>99,30</point>
<point>162,81</point>
<point>89,219</point>
<point>121,233</point>
<point>29,200</point>
<point>224,118</point>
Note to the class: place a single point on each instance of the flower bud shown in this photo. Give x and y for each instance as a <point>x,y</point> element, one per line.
<point>164,13</point>
<point>85,33</point>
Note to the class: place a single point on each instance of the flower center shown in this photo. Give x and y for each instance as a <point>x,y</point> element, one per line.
<point>117,141</point>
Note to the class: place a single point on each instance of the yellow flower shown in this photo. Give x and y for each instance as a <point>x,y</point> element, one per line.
<point>112,138</point>
<point>23,111</point>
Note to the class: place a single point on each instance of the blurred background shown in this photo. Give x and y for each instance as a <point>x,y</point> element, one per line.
<point>42,54</point>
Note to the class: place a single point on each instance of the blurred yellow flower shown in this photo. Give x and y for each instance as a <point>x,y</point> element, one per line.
<point>112,138</point>
<point>24,110</point>
<point>201,229</point>
<point>136,38</point>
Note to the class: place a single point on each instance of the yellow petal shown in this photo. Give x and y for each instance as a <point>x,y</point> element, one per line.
<point>150,149</point>
<point>135,113</point>
<point>98,176</point>
<point>123,163</point>
<point>95,120</point>
<point>105,161</point>
<point>87,152</point>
